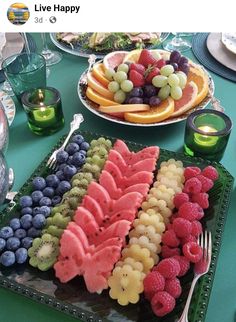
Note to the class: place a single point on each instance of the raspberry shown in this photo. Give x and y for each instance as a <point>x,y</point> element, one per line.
<point>173,287</point>
<point>180,198</point>
<point>168,267</point>
<point>192,251</point>
<point>182,227</point>
<point>153,283</point>
<point>169,238</point>
<point>202,199</point>
<point>191,172</point>
<point>162,303</point>
<point>196,228</point>
<point>191,211</point>
<point>184,264</point>
<point>167,251</point>
<point>210,173</point>
<point>193,185</point>
<point>188,239</point>
<point>207,184</point>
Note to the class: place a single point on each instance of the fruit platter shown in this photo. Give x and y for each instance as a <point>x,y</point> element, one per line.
<point>145,87</point>
<point>111,233</point>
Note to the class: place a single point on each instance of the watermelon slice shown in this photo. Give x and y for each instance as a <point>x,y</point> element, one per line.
<point>145,164</point>
<point>115,241</point>
<point>131,201</point>
<point>107,181</point>
<point>96,191</point>
<point>121,215</point>
<point>139,177</point>
<point>65,269</point>
<point>79,233</point>
<point>115,173</point>
<point>142,188</point>
<point>86,220</point>
<point>93,206</point>
<point>117,158</point>
<point>71,246</point>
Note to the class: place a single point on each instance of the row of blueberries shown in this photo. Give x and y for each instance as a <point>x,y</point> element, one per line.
<point>17,237</point>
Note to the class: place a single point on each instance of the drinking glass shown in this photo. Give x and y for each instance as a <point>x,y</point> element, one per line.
<point>25,71</point>
<point>177,43</point>
<point>51,57</point>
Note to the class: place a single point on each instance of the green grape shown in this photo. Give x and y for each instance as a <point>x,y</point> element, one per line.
<point>102,151</point>
<point>93,143</point>
<point>123,68</point>
<point>167,70</point>
<point>126,85</point>
<point>173,80</point>
<point>108,144</point>
<point>109,73</point>
<point>164,92</point>
<point>113,87</point>
<point>182,79</point>
<point>96,159</point>
<point>156,54</point>
<point>119,97</point>
<point>84,183</point>
<point>176,92</point>
<point>120,76</point>
<point>101,140</point>
<point>159,81</point>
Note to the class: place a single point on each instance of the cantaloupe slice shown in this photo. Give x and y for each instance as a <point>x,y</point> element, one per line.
<point>124,108</point>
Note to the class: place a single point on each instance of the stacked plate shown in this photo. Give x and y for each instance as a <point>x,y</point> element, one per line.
<point>222,46</point>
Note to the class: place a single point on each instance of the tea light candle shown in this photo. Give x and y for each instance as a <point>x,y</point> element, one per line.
<point>43,109</point>
<point>206,134</point>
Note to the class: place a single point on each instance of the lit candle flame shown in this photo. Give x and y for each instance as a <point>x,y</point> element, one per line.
<point>207,129</point>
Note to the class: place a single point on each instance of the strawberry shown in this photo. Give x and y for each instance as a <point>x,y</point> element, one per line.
<point>150,73</point>
<point>160,63</point>
<point>138,67</point>
<point>146,58</point>
<point>136,78</point>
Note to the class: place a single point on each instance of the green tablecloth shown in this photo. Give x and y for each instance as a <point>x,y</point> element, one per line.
<point>26,151</point>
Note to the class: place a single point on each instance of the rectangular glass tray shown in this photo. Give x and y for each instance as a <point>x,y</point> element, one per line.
<point>72,298</point>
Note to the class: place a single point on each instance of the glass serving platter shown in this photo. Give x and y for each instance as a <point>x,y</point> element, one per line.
<point>72,298</point>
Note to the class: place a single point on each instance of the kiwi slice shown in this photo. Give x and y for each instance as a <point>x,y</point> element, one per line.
<point>54,231</point>
<point>60,221</point>
<point>44,251</point>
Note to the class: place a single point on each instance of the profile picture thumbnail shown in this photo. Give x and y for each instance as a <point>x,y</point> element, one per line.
<point>18,13</point>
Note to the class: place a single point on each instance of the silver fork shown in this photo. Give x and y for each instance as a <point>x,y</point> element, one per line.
<point>74,125</point>
<point>200,268</point>
<point>91,61</point>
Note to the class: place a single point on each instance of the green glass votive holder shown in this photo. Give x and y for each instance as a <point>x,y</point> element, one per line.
<point>43,109</point>
<point>206,134</point>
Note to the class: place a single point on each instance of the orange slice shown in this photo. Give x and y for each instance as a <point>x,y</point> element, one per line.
<point>154,115</point>
<point>124,108</point>
<point>98,73</point>
<point>187,100</point>
<point>98,87</point>
<point>96,98</point>
<point>200,78</point>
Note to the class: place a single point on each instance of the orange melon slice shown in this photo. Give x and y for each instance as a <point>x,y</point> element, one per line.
<point>98,87</point>
<point>96,98</point>
<point>124,108</point>
<point>98,73</point>
<point>200,78</point>
<point>154,115</point>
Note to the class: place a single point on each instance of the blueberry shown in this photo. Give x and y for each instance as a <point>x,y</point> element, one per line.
<point>63,187</point>
<point>69,171</point>
<point>39,183</point>
<point>39,221</point>
<point>56,200</point>
<point>26,221</point>
<point>72,148</point>
<point>48,192</point>
<point>83,152</point>
<point>62,156</point>
<point>60,175</point>
<point>15,223</point>
<point>20,233</point>
<point>36,210</point>
<point>78,159</point>
<point>69,161</point>
<point>7,258</point>
<point>27,242</point>
<point>33,232</point>
<point>6,232</point>
<point>45,201</point>
<point>36,196</point>
<point>84,146</point>
<point>52,181</point>
<point>77,139</point>
<point>13,243</point>
<point>45,210</point>
<point>2,244</point>
<point>62,166</point>
<point>21,255</point>
<point>26,210</point>
<point>26,201</point>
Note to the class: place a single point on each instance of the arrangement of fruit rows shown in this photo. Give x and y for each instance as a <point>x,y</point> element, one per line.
<point>99,217</point>
<point>146,86</point>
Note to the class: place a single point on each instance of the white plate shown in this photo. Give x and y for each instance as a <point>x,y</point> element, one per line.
<point>229,40</point>
<point>8,105</point>
<point>92,107</point>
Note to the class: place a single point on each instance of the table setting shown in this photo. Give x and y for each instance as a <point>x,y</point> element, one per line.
<point>118,178</point>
